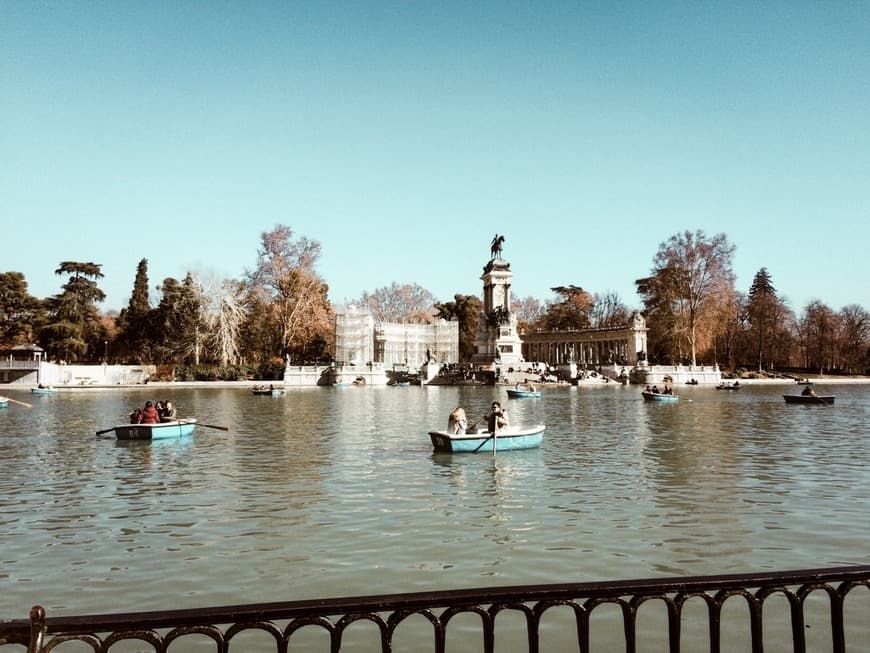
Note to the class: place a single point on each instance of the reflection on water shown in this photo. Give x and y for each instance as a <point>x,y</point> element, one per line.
<point>336,491</point>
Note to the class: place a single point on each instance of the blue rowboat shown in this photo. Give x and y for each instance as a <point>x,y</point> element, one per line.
<point>657,396</point>
<point>508,439</point>
<point>43,391</point>
<point>513,393</point>
<point>174,429</point>
<point>4,402</point>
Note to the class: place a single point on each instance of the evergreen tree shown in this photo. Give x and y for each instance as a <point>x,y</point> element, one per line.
<point>574,311</point>
<point>466,309</point>
<point>73,331</point>
<point>178,319</point>
<point>21,314</point>
<point>762,311</point>
<point>139,302</point>
<point>134,321</point>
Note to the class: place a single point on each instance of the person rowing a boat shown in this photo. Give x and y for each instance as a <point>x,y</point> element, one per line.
<point>808,392</point>
<point>497,418</point>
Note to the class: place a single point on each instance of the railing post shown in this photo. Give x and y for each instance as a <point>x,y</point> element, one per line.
<point>37,629</point>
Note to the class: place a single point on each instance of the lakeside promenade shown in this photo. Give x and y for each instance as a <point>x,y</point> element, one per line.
<point>248,384</point>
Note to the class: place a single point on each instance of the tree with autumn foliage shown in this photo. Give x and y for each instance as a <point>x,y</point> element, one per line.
<point>690,273</point>
<point>572,311</point>
<point>290,307</point>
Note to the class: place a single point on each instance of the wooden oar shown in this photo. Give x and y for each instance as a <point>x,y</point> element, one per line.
<point>476,424</point>
<point>484,442</point>
<point>208,426</point>
<point>15,401</point>
<point>99,433</point>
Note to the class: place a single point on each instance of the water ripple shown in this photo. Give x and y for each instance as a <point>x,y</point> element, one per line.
<point>330,492</point>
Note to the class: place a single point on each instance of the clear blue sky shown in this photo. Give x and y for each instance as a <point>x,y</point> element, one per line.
<point>402,136</point>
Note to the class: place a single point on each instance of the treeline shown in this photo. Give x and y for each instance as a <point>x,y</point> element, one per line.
<point>205,328</point>
<point>694,311</point>
<point>201,327</point>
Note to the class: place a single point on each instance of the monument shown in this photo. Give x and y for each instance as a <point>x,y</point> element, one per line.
<point>497,342</point>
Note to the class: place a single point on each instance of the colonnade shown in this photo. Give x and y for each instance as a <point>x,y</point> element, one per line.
<point>624,345</point>
<point>579,351</point>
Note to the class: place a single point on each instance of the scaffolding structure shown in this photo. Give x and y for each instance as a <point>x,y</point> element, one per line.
<point>353,336</point>
<point>359,339</point>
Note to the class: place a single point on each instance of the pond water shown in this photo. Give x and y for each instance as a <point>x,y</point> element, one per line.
<point>328,492</point>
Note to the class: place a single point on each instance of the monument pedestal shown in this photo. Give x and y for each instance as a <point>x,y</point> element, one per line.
<point>497,342</point>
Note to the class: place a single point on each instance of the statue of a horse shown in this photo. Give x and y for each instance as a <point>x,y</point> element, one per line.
<point>496,246</point>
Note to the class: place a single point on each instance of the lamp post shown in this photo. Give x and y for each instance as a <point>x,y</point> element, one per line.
<point>105,351</point>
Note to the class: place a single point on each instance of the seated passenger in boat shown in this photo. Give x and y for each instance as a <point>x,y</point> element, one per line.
<point>169,412</point>
<point>457,422</point>
<point>149,414</point>
<point>808,392</point>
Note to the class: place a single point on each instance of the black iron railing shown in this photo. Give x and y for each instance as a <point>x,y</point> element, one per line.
<point>224,626</point>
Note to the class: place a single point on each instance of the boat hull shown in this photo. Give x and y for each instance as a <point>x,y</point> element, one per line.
<point>268,393</point>
<point>163,430</point>
<point>521,394</point>
<point>510,439</point>
<point>653,396</point>
<point>43,391</point>
<point>809,399</point>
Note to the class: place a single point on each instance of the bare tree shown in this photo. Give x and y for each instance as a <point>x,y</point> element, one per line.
<point>608,310</point>
<point>854,338</point>
<point>401,303</point>
<point>224,315</point>
<point>528,311</point>
<point>817,328</point>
